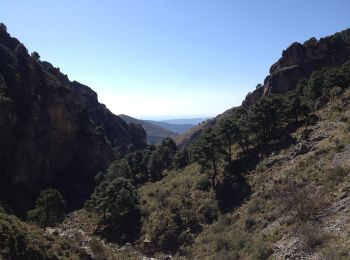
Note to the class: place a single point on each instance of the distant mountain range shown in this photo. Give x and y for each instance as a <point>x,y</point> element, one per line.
<point>155,133</point>
<point>158,130</point>
<point>184,121</point>
<point>176,128</point>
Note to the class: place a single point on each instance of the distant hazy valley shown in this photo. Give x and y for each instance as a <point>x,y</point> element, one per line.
<point>158,130</point>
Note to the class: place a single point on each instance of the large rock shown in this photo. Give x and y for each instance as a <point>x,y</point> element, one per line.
<point>300,60</point>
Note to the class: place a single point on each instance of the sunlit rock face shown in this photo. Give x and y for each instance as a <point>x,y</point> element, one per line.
<point>299,61</point>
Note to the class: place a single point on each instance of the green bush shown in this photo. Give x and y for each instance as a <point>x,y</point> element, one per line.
<point>249,223</point>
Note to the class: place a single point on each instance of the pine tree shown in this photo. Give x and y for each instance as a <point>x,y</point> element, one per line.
<point>208,153</point>
<point>48,209</point>
<point>266,119</point>
<point>181,159</point>
<point>294,107</point>
<point>115,200</point>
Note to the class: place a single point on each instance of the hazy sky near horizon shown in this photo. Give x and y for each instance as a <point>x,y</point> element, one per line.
<point>169,58</point>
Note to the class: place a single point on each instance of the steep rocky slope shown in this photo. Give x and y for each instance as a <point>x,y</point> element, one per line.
<point>53,131</point>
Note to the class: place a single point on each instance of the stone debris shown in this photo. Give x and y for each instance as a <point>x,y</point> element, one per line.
<point>302,148</point>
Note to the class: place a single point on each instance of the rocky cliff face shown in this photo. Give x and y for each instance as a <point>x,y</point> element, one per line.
<point>299,61</point>
<point>53,132</point>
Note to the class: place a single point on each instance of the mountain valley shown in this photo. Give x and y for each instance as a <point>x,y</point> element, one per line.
<point>269,179</point>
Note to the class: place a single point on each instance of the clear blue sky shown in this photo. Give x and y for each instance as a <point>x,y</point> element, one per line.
<point>169,58</point>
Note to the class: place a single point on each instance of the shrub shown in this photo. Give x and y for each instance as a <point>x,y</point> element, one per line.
<point>209,210</point>
<point>249,223</point>
<point>203,183</point>
<point>261,248</point>
<point>311,235</point>
<point>335,91</point>
<point>339,145</point>
<point>336,175</point>
<point>222,244</point>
